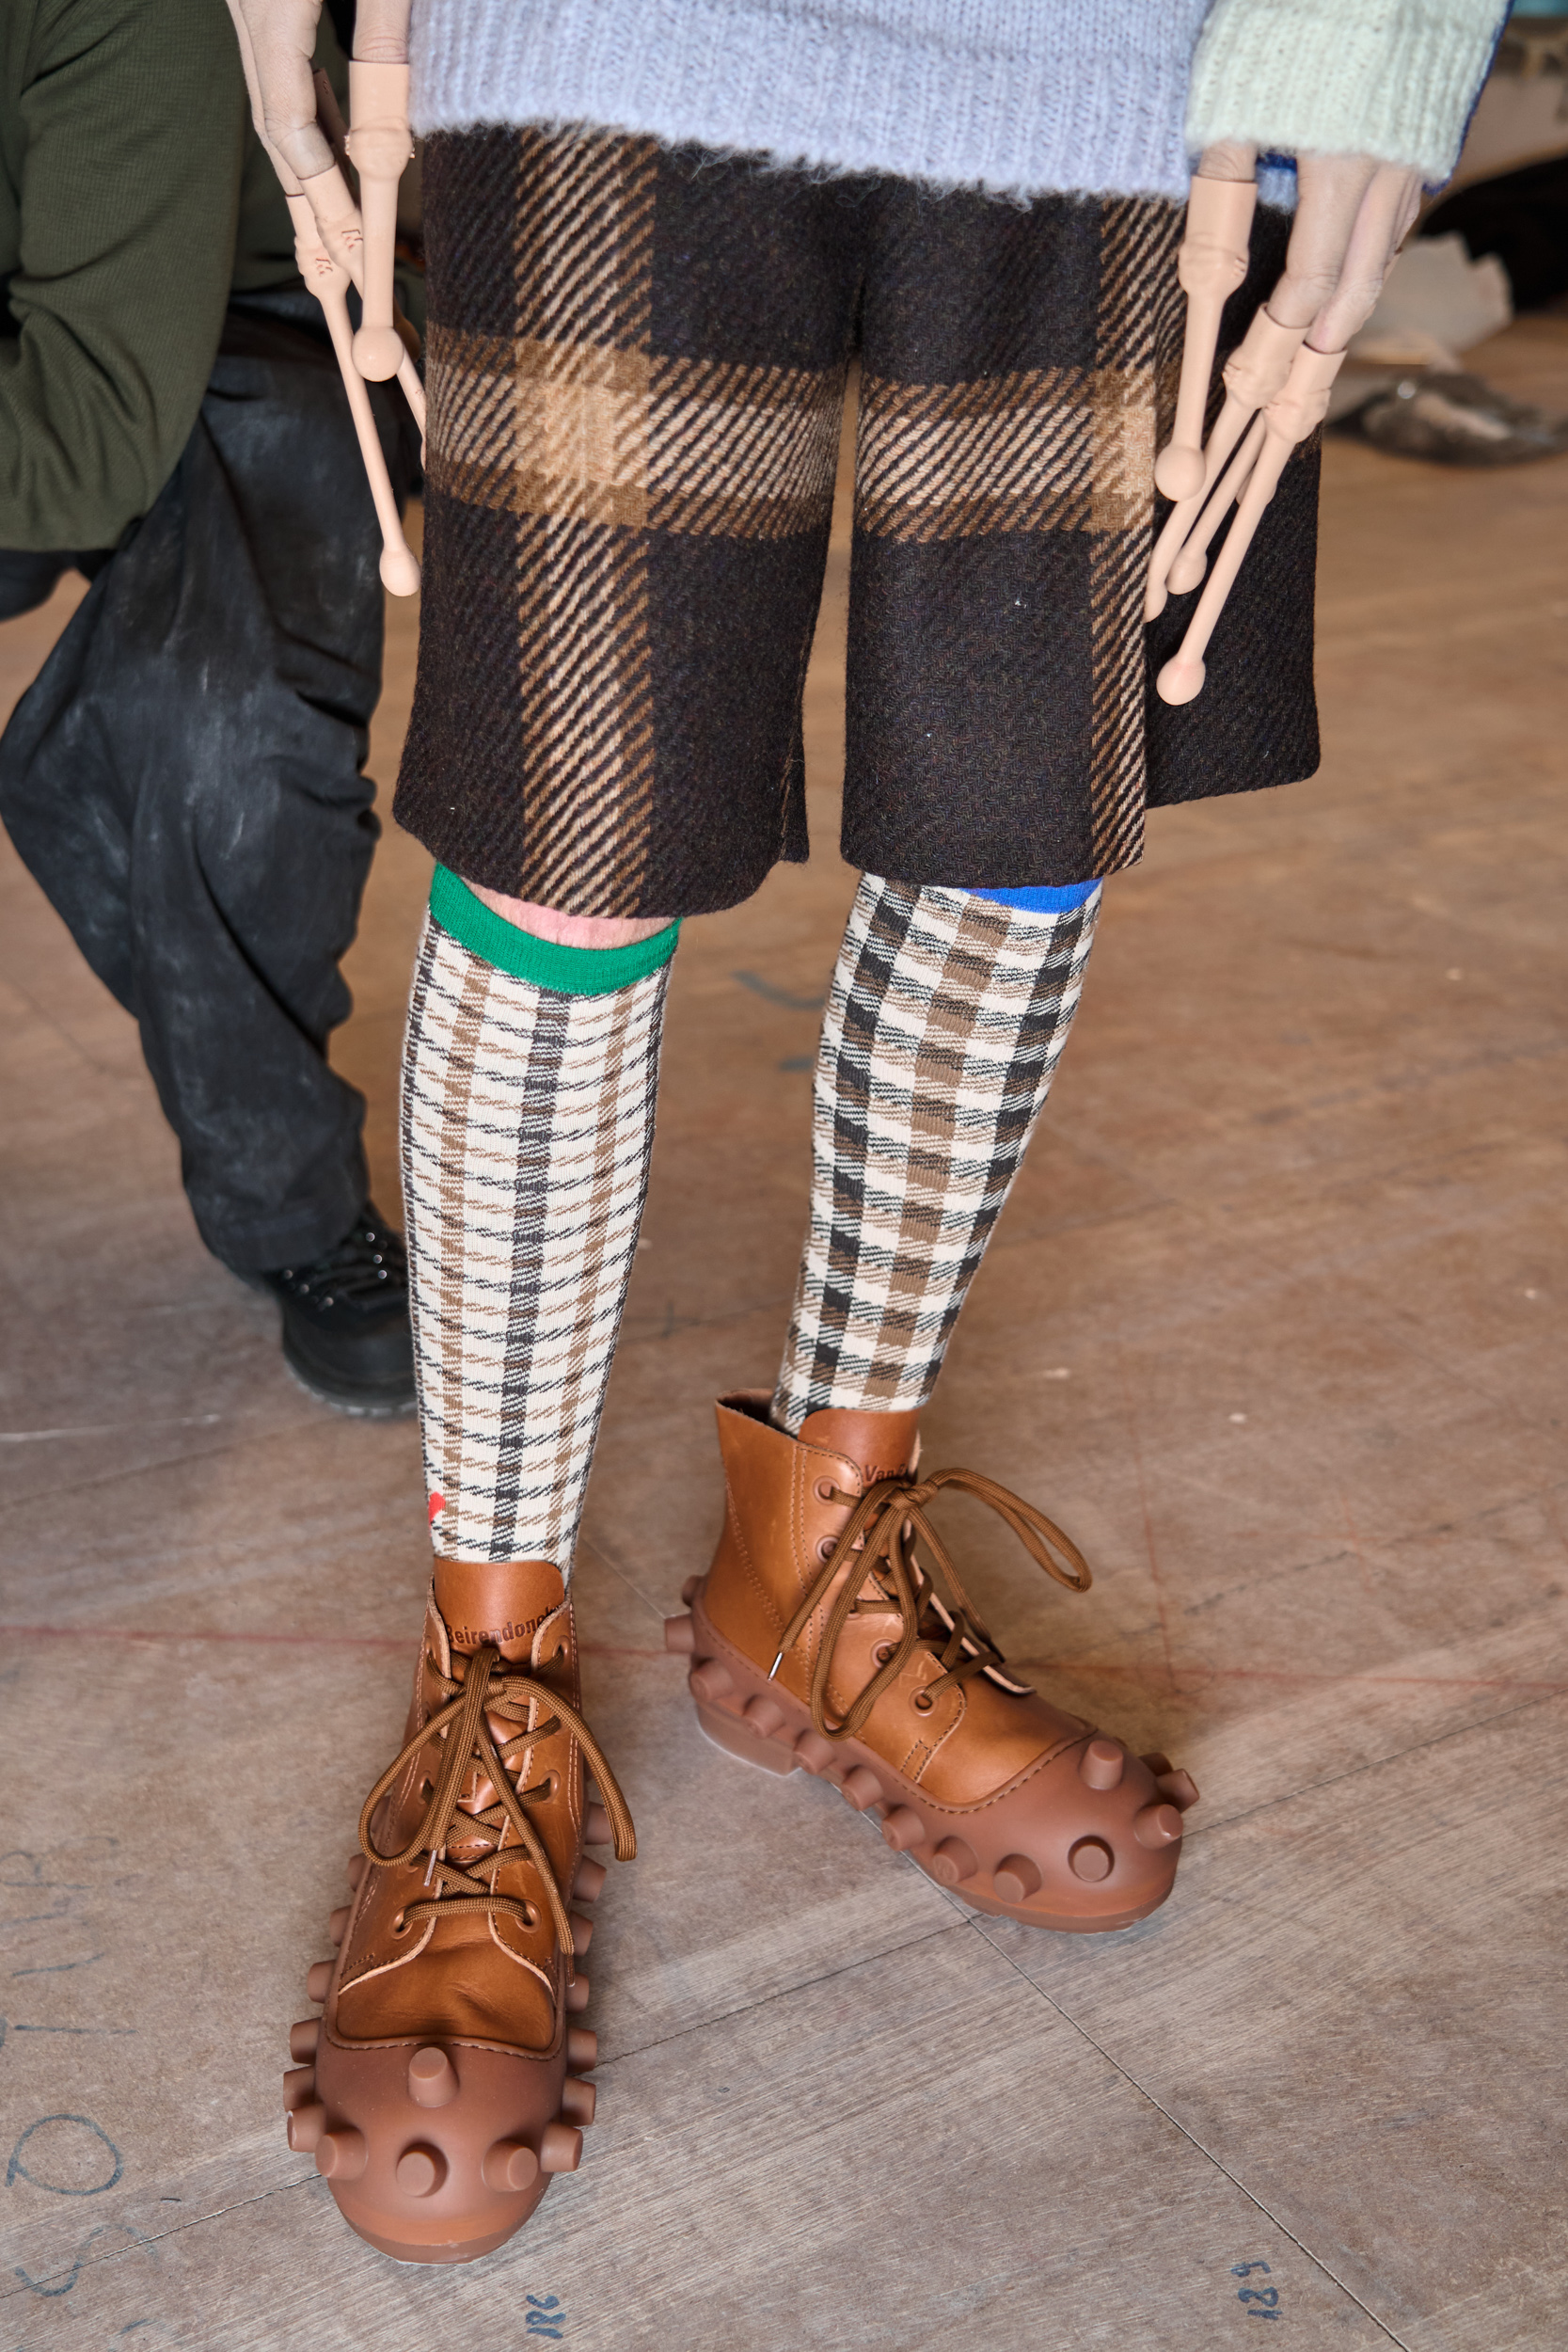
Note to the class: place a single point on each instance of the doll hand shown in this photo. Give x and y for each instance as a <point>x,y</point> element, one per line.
<point>277,41</point>
<point>1352,217</point>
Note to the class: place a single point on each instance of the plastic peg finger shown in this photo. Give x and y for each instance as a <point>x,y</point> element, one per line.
<point>1255,370</point>
<point>1192,559</point>
<point>1287,420</point>
<point>1211,265</point>
<point>337,218</point>
<point>329,280</point>
<point>409,376</point>
<point>379,144</point>
<point>1259,369</point>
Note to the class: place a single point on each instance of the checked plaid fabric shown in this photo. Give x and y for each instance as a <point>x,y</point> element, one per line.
<point>637,360</point>
<point>945,1021</point>
<point>528,1119</point>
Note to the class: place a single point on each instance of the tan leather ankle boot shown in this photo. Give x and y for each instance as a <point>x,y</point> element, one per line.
<point>442,2085</point>
<point>832,1632</point>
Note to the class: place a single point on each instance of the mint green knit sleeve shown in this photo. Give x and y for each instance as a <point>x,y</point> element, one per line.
<point>1391,78</point>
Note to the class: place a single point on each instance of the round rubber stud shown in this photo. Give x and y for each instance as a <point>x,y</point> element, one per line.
<point>680,1636</point>
<point>582,1932</point>
<point>595,1826</point>
<point>1179,1788</point>
<point>582,2048</point>
<point>1102,1763</point>
<point>1157,1760</point>
<point>764,1715</point>
<point>299,2087</point>
<point>509,2165</point>
<point>343,2155</point>
<point>904,1830</point>
<point>1016,1879</point>
<point>954,1860</point>
<point>306,2127</point>
<point>814,1751</point>
<point>1090,1859</point>
<point>861,1788</point>
<point>560,2148</point>
<point>317,1980</point>
<point>421,2172</point>
<point>711,1681</point>
<point>1157,1825</point>
<point>589,1878</point>
<point>432,2077</point>
<point>578,2101</point>
<point>576,1994</point>
<point>337,1926</point>
<point>303,2038</point>
<point>690,1589</point>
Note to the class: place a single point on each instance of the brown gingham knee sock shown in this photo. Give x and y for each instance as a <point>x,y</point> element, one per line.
<point>527,1120</point>
<point>944,1025</point>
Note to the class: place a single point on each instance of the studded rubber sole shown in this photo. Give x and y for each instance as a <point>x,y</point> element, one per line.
<point>759,1724</point>
<point>455,2159</point>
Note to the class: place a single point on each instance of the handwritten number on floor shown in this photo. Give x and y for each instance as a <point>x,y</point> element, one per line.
<point>1260,2302</point>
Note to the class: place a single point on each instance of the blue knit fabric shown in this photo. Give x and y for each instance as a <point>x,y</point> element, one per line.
<point>1043,897</point>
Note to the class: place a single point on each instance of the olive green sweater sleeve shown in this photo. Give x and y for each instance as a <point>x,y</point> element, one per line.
<point>121,126</point>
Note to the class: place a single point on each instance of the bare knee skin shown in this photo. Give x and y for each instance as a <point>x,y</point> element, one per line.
<point>572,931</point>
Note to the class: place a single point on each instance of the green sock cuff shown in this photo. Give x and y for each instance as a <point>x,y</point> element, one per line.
<point>569,971</point>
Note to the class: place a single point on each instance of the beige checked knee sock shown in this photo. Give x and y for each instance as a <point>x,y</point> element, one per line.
<point>530,1075</point>
<point>944,1025</point>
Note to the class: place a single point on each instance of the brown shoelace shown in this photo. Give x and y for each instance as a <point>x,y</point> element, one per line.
<point>935,1610</point>
<point>489,1686</point>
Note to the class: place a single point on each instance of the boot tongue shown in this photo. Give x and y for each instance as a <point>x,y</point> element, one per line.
<point>501,1602</point>
<point>880,1445</point>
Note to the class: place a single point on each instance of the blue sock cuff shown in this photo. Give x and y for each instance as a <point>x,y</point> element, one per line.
<point>1044,898</point>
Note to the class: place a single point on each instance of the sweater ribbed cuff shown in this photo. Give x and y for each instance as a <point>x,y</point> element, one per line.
<point>569,971</point>
<point>1385,78</point>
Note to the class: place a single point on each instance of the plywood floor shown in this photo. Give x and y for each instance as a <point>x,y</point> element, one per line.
<point>1275,1323</point>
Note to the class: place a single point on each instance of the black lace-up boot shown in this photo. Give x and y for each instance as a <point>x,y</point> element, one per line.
<point>346,1320</point>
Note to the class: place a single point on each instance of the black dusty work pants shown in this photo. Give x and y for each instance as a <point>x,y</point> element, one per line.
<point>184,779</point>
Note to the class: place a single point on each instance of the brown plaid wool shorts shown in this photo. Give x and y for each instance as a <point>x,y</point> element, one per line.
<point>637,368</point>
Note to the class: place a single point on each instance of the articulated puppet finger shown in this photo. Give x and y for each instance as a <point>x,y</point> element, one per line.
<point>1388,206</point>
<point>277,41</point>
<point>379,144</point>
<point>1296,413</point>
<point>1212,263</point>
<point>1192,559</point>
<point>329,280</point>
<point>1255,374</point>
<point>338,216</point>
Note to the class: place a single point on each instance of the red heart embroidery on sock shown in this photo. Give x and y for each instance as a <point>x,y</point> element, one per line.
<point>437,1504</point>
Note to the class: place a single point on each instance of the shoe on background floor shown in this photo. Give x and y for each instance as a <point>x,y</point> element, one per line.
<point>819,1638</point>
<point>346,1334</point>
<point>1454,418</point>
<point>443,2083</point>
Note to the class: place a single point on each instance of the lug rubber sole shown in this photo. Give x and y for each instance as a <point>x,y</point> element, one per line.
<point>754,1721</point>
<point>441,2139</point>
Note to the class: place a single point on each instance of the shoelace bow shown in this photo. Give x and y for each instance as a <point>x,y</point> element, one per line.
<point>890,1516</point>
<point>490,1686</point>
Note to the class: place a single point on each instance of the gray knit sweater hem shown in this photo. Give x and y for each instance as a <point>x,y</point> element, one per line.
<point>963,97</point>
